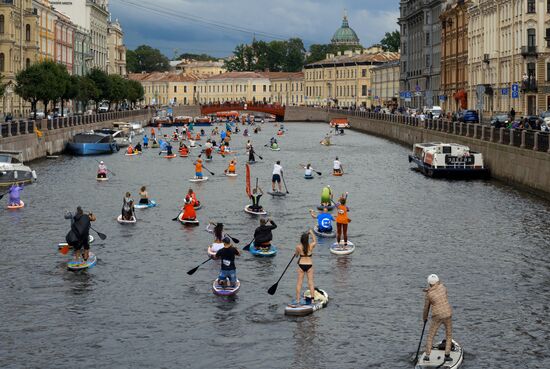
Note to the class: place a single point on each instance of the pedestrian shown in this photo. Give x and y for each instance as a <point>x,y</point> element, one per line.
<point>436,299</point>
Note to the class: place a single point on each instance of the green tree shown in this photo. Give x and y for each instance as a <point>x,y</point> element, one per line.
<point>295,51</point>
<point>86,91</point>
<point>118,90</point>
<point>2,86</point>
<point>146,59</point>
<point>135,92</point>
<point>69,87</point>
<point>103,85</point>
<point>198,57</point>
<point>391,41</point>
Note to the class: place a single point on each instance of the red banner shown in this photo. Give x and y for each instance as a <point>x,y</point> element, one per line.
<point>248,192</point>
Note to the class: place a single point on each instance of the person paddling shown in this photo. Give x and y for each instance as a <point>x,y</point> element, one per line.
<point>337,167</point>
<point>232,167</point>
<point>14,198</point>
<point>130,149</point>
<point>101,170</point>
<point>143,196</point>
<point>308,171</point>
<point>193,197</point>
<point>198,168</point>
<point>324,220</point>
<point>276,178</point>
<point>78,236</point>
<point>263,234</point>
<point>127,207</point>
<point>184,150</point>
<point>436,298</point>
<point>255,197</point>
<point>168,149</point>
<point>145,141</point>
<point>304,251</point>
<point>138,148</point>
<point>251,156</point>
<point>342,221</point>
<point>326,196</point>
<point>228,270</point>
<point>189,212</point>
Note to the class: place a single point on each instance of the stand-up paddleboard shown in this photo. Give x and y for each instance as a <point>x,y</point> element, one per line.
<point>133,154</point>
<point>252,162</point>
<point>276,193</point>
<point>337,174</point>
<point>76,265</point>
<point>329,207</point>
<point>102,179</point>
<point>248,209</point>
<point>438,355</point>
<point>151,204</point>
<point>188,221</point>
<point>195,179</point>
<point>155,146</point>
<point>64,244</point>
<point>124,221</point>
<point>331,234</point>
<point>276,149</point>
<point>321,300</point>
<point>208,159</point>
<point>169,156</point>
<point>13,207</point>
<point>308,177</point>
<point>225,290</point>
<point>264,252</point>
<point>338,249</point>
<point>183,155</point>
<point>231,174</point>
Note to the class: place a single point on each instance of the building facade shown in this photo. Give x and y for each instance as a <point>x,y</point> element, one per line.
<point>509,56</point>
<point>420,52</point>
<point>234,86</point>
<point>207,68</point>
<point>385,84</point>
<point>287,88</point>
<point>18,49</point>
<point>344,79</point>
<point>47,19</point>
<point>454,55</point>
<point>116,51</point>
<point>64,41</point>
<point>163,88</point>
<point>82,55</point>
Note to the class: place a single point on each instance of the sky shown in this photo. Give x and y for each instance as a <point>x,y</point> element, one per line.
<point>215,27</point>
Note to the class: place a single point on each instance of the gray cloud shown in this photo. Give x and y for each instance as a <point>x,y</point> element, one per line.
<point>170,24</point>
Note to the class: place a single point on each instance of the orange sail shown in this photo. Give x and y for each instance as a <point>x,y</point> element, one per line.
<point>248,192</point>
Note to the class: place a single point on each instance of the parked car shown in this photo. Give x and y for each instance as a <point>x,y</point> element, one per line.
<point>545,121</point>
<point>468,116</point>
<point>436,111</point>
<point>39,115</point>
<point>533,120</point>
<point>499,120</point>
<point>103,108</point>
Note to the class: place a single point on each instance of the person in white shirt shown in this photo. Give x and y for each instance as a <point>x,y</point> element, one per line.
<point>337,166</point>
<point>277,173</point>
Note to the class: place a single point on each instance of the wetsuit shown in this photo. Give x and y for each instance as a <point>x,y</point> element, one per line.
<point>263,235</point>
<point>255,202</point>
<point>251,157</point>
<point>79,233</point>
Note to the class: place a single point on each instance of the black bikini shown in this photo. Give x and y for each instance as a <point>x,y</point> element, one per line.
<point>304,267</point>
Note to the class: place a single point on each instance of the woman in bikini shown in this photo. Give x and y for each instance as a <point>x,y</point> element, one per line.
<point>304,251</point>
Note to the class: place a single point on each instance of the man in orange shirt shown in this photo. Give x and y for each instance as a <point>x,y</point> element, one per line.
<point>198,168</point>
<point>231,168</point>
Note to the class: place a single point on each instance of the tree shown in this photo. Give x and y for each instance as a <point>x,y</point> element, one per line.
<point>135,92</point>
<point>146,59</point>
<point>118,90</point>
<point>198,57</point>
<point>103,84</point>
<point>86,91</point>
<point>276,56</point>
<point>2,86</point>
<point>69,87</point>
<point>295,51</point>
<point>391,41</point>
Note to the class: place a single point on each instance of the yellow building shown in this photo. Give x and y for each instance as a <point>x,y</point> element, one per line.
<point>287,88</point>
<point>18,49</point>
<point>385,84</point>
<point>234,86</point>
<point>46,29</point>
<point>163,88</point>
<point>343,79</point>
<point>207,68</point>
<point>116,51</point>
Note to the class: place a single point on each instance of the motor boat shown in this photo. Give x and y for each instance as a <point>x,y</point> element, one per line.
<point>12,170</point>
<point>135,128</point>
<point>448,160</point>
<point>92,143</point>
<point>203,121</point>
<point>122,137</point>
<point>339,123</point>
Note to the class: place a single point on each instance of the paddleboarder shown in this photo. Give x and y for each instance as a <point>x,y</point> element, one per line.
<point>101,170</point>
<point>337,167</point>
<point>255,197</point>
<point>143,196</point>
<point>232,167</point>
<point>193,197</point>
<point>304,251</point>
<point>168,149</point>
<point>263,234</point>
<point>145,141</point>
<point>218,237</point>
<point>228,269</point>
<point>251,152</point>
<point>78,236</point>
<point>189,210</point>
<point>342,220</point>
<point>14,198</point>
<point>324,220</point>
<point>308,171</point>
<point>127,207</point>
<point>198,168</point>
<point>326,196</point>
<point>276,178</point>
<point>138,148</point>
<point>436,298</point>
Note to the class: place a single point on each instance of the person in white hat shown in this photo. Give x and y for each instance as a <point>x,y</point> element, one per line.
<point>436,298</point>
<point>102,170</point>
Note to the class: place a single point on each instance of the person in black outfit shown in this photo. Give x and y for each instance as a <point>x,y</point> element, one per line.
<point>255,197</point>
<point>227,262</point>
<point>79,233</point>
<point>263,235</point>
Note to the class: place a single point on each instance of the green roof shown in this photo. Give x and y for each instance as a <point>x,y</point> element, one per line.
<point>345,35</point>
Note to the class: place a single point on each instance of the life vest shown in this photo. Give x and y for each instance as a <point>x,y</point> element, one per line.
<point>342,216</point>
<point>198,167</point>
<point>231,167</point>
<point>189,212</point>
<point>130,149</point>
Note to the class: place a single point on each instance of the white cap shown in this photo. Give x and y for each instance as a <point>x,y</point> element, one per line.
<point>101,162</point>
<point>433,279</point>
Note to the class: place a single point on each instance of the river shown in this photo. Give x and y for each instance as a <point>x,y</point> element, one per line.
<point>488,242</point>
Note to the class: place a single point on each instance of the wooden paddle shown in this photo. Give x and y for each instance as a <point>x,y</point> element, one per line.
<point>247,247</point>
<point>192,271</point>
<point>273,288</point>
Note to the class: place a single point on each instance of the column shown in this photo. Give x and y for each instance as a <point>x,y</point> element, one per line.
<point>536,144</point>
<point>512,131</point>
<point>501,136</point>
<point>522,145</point>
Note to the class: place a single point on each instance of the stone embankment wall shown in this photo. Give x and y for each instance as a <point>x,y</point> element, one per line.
<point>518,157</point>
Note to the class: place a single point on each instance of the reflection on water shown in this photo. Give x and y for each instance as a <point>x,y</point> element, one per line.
<point>138,308</point>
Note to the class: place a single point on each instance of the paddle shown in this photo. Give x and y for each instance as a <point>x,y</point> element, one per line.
<point>283,177</point>
<point>192,271</point>
<point>101,235</point>
<point>273,288</point>
<point>2,195</point>
<point>420,343</point>
<point>208,170</point>
<point>176,218</point>
<point>303,166</point>
<point>247,247</point>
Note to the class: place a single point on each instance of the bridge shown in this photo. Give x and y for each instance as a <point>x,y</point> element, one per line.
<point>275,109</point>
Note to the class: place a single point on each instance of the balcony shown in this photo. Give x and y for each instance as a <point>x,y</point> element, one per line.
<point>527,51</point>
<point>529,84</point>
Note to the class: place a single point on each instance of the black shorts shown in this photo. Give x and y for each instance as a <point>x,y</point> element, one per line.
<point>81,245</point>
<point>276,178</point>
<point>144,201</point>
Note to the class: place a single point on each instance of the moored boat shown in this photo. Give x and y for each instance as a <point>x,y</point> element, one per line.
<point>339,123</point>
<point>203,121</point>
<point>92,143</point>
<point>12,170</point>
<point>448,160</point>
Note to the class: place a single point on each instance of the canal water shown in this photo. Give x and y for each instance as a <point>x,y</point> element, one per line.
<point>139,309</point>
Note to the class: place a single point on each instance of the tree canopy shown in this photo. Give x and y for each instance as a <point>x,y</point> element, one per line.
<point>146,59</point>
<point>277,56</point>
<point>319,52</point>
<point>391,41</point>
<point>198,57</point>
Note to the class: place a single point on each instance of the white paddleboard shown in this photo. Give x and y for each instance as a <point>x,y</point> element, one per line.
<point>338,249</point>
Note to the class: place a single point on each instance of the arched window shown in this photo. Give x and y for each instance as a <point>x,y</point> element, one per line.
<point>28,32</point>
<point>2,59</point>
<point>1,23</point>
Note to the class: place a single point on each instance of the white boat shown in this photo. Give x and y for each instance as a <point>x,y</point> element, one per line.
<point>135,128</point>
<point>448,160</point>
<point>12,170</point>
<point>122,137</point>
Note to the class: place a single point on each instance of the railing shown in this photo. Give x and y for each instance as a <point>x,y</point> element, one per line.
<point>525,139</point>
<point>24,127</point>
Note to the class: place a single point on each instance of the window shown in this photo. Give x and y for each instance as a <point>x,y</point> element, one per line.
<point>28,32</point>
<point>531,37</point>
<point>175,89</point>
<point>253,88</point>
<point>548,71</point>
<point>2,23</point>
<point>2,58</point>
<point>530,6</point>
<point>427,39</point>
<point>265,88</point>
<point>427,61</point>
<point>185,89</point>
<point>27,63</point>
<point>364,90</point>
<point>547,38</point>
<point>531,69</point>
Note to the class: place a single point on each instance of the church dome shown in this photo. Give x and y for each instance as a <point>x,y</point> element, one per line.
<point>345,35</point>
